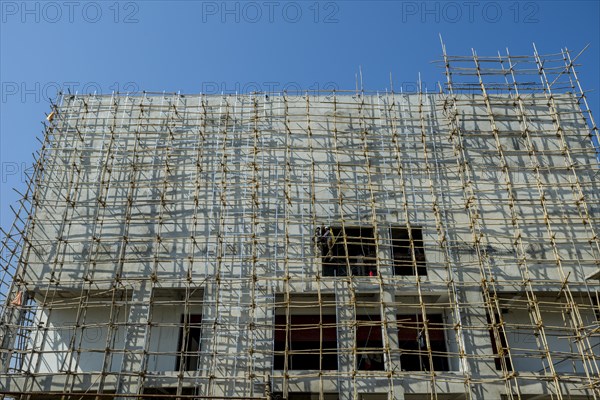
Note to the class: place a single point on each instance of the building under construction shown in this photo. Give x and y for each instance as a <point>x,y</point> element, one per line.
<point>343,245</point>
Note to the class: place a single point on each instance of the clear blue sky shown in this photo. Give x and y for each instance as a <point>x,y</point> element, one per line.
<point>193,46</point>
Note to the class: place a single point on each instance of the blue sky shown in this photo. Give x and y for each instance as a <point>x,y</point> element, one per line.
<point>214,46</point>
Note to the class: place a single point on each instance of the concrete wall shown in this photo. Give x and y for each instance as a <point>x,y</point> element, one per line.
<point>285,173</point>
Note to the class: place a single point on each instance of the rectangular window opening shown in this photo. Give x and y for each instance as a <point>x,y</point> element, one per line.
<point>305,396</point>
<point>165,393</point>
<point>369,343</point>
<point>356,255</point>
<point>501,334</point>
<point>308,328</point>
<point>312,342</point>
<point>408,259</point>
<point>412,342</point>
<point>189,343</point>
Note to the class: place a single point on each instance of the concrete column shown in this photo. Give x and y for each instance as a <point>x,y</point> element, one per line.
<point>388,314</point>
<point>346,338</point>
<point>478,344</point>
<point>136,338</point>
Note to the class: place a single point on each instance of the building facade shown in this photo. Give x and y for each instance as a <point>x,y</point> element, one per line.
<point>313,246</point>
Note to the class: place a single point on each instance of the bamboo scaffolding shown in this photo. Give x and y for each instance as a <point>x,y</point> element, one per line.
<point>348,244</point>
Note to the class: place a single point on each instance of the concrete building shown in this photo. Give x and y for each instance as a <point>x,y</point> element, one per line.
<point>313,246</point>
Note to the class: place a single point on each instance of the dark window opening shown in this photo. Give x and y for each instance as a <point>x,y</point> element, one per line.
<point>189,343</point>
<point>402,251</point>
<point>355,255</point>
<point>596,305</point>
<point>305,396</point>
<point>412,341</point>
<point>369,344</point>
<point>166,393</point>
<point>312,342</point>
<point>498,357</point>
